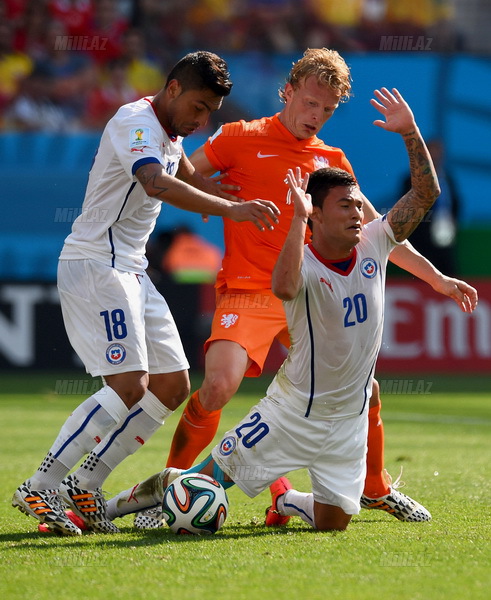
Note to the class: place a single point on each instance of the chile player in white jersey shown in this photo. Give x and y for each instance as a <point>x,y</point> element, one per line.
<point>117,322</point>
<point>315,414</point>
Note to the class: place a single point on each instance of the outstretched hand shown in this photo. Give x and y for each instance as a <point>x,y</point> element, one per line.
<point>461,292</point>
<point>263,213</point>
<point>398,115</point>
<point>301,200</point>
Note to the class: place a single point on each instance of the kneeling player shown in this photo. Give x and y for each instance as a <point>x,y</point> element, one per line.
<point>315,413</point>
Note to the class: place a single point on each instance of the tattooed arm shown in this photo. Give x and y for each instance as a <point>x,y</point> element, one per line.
<point>406,214</point>
<point>166,188</point>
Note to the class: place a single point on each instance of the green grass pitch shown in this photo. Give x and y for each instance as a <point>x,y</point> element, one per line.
<point>438,429</point>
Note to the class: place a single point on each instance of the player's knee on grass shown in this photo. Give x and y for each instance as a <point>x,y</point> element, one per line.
<point>330,518</point>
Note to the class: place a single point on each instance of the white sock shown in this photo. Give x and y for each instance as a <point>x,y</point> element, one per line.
<point>143,495</point>
<point>298,504</point>
<point>140,424</point>
<point>81,432</point>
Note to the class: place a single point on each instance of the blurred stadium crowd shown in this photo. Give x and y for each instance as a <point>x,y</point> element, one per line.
<point>67,65</point>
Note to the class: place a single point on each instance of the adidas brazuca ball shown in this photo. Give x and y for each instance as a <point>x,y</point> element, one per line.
<point>195,504</point>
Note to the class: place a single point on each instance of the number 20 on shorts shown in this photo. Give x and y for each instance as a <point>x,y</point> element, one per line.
<point>254,431</point>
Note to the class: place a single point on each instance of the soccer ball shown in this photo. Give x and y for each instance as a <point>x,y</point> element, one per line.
<point>195,504</point>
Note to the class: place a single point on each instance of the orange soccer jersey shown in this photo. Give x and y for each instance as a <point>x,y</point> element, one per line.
<point>256,155</point>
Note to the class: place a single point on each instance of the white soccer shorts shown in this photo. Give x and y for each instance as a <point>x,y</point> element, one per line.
<point>117,322</point>
<point>275,439</point>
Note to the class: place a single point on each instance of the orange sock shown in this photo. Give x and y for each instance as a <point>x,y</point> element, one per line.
<point>375,483</point>
<point>194,432</point>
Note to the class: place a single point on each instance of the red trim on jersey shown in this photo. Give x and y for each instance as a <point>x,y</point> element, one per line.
<point>332,264</point>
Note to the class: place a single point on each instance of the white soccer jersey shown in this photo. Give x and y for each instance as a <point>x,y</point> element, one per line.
<point>335,325</point>
<point>117,215</point>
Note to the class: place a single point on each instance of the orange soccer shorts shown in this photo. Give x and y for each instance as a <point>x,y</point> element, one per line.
<point>251,318</point>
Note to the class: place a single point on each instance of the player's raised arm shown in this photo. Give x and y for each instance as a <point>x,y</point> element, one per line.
<point>287,274</point>
<point>158,184</point>
<point>406,214</point>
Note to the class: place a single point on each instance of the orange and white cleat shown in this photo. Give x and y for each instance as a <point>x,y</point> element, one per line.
<point>397,504</point>
<point>46,506</point>
<point>90,505</point>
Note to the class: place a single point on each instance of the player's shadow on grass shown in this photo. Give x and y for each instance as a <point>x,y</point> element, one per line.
<point>36,540</point>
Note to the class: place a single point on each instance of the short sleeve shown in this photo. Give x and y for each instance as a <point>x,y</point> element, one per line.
<point>136,141</point>
<point>389,232</point>
<point>220,148</point>
<point>380,233</point>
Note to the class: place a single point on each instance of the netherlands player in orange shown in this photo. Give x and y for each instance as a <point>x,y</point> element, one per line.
<point>256,156</point>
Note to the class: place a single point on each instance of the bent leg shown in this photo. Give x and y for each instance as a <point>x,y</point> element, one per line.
<point>379,492</point>
<point>225,365</point>
<point>150,493</point>
<point>323,517</point>
<point>142,421</point>
<point>130,386</point>
<point>88,424</point>
<point>171,389</point>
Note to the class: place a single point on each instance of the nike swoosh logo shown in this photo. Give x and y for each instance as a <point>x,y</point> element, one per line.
<point>261,155</point>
